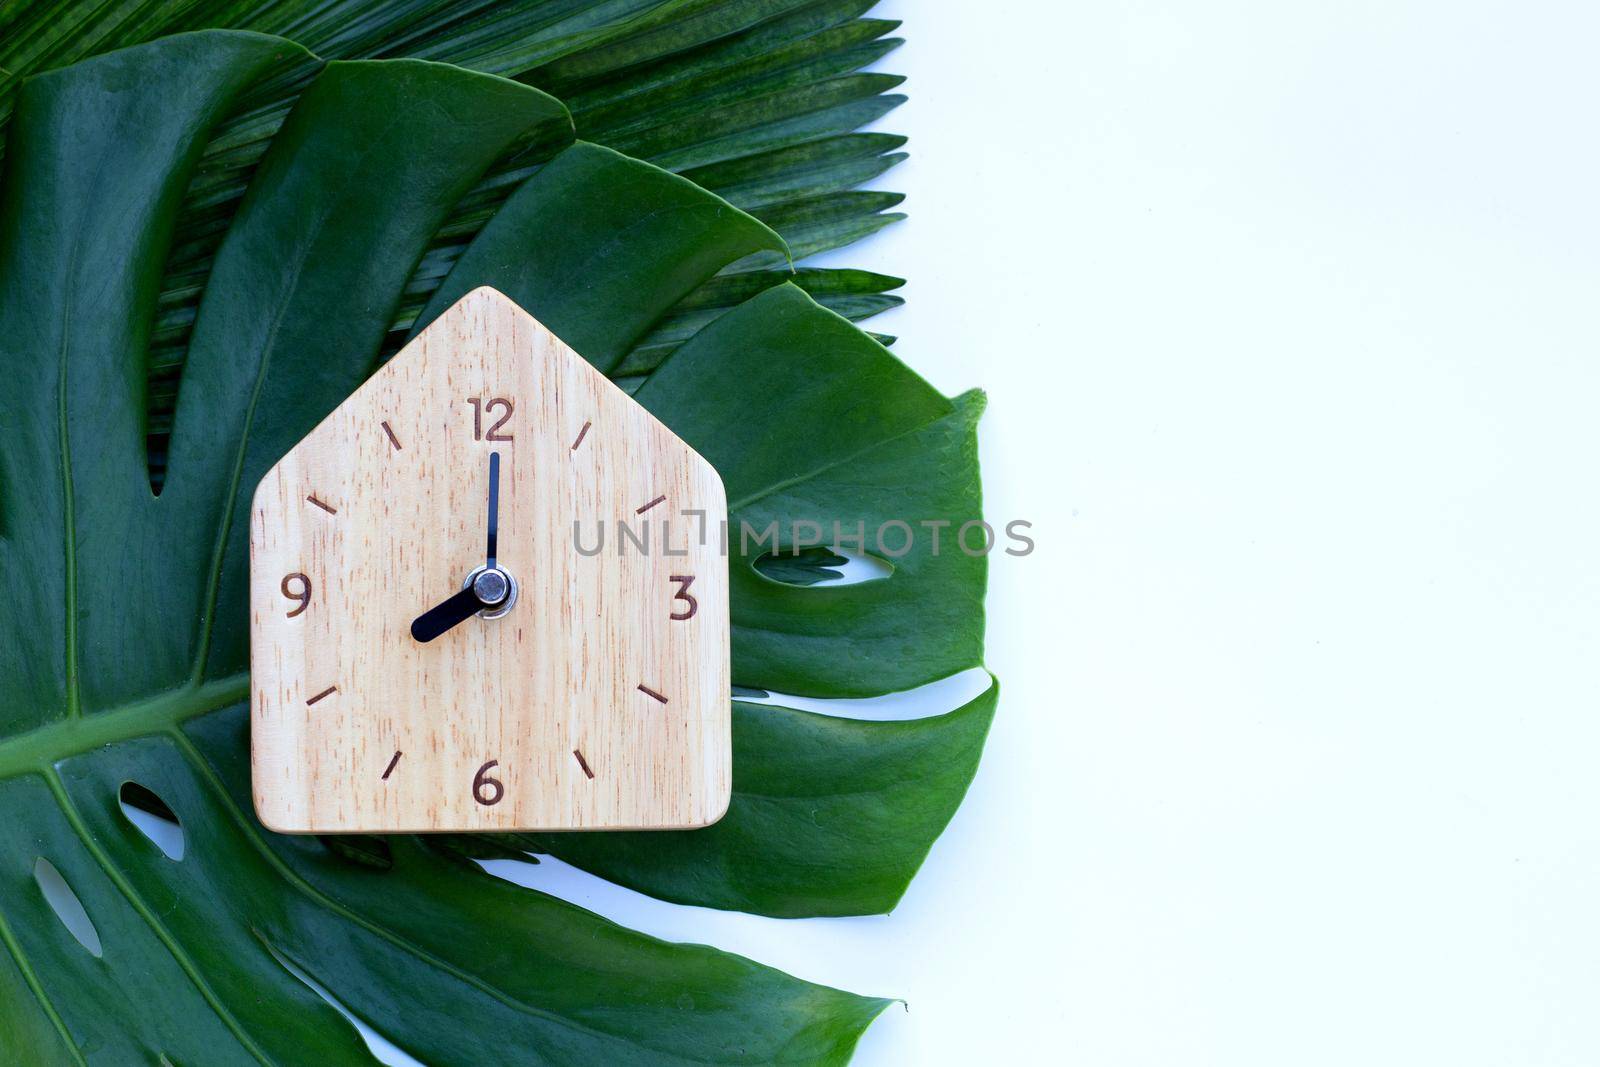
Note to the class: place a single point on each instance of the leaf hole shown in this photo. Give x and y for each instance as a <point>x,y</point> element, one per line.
<point>819,565</point>
<point>363,850</point>
<point>924,702</point>
<point>479,846</point>
<point>383,1050</point>
<point>153,818</point>
<point>65,903</point>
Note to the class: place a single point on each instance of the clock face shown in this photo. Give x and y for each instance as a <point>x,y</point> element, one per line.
<point>488,592</point>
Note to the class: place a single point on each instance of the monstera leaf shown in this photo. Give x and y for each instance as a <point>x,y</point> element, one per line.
<point>122,636</point>
<point>760,101</point>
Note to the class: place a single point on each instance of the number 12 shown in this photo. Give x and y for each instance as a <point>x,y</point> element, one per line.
<point>480,408</point>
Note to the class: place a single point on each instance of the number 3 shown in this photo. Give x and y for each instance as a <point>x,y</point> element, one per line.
<point>683,594</point>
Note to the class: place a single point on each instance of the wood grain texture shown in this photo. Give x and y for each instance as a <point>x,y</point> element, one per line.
<point>590,659</point>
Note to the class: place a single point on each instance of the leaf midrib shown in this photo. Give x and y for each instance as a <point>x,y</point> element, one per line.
<point>69,527</point>
<point>225,526</point>
<point>40,748</point>
<point>36,752</point>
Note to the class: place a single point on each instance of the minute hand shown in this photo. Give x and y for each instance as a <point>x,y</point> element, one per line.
<point>494,506</point>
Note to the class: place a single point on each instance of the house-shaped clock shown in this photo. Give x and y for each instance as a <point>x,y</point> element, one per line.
<point>488,593</point>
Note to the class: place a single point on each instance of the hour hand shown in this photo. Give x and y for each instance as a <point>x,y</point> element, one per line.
<point>442,617</point>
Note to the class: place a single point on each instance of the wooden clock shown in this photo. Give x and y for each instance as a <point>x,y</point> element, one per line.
<point>437,642</point>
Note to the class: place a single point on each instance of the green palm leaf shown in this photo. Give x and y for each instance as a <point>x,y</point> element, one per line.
<point>122,644</point>
<point>757,100</point>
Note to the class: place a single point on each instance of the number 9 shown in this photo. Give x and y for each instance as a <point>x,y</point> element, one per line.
<point>303,594</point>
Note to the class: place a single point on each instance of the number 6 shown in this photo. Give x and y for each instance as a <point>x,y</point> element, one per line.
<point>482,780</point>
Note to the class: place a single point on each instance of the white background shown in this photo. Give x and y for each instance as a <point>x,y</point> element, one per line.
<point>1287,315</point>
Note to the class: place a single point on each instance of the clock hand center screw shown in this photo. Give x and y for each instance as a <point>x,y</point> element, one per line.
<point>494,587</point>
<point>491,586</point>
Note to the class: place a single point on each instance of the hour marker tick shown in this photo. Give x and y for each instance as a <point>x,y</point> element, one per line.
<point>581,434</point>
<point>329,508</point>
<point>583,763</point>
<point>642,508</point>
<point>393,440</point>
<point>647,691</point>
<point>390,769</point>
<point>312,700</point>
